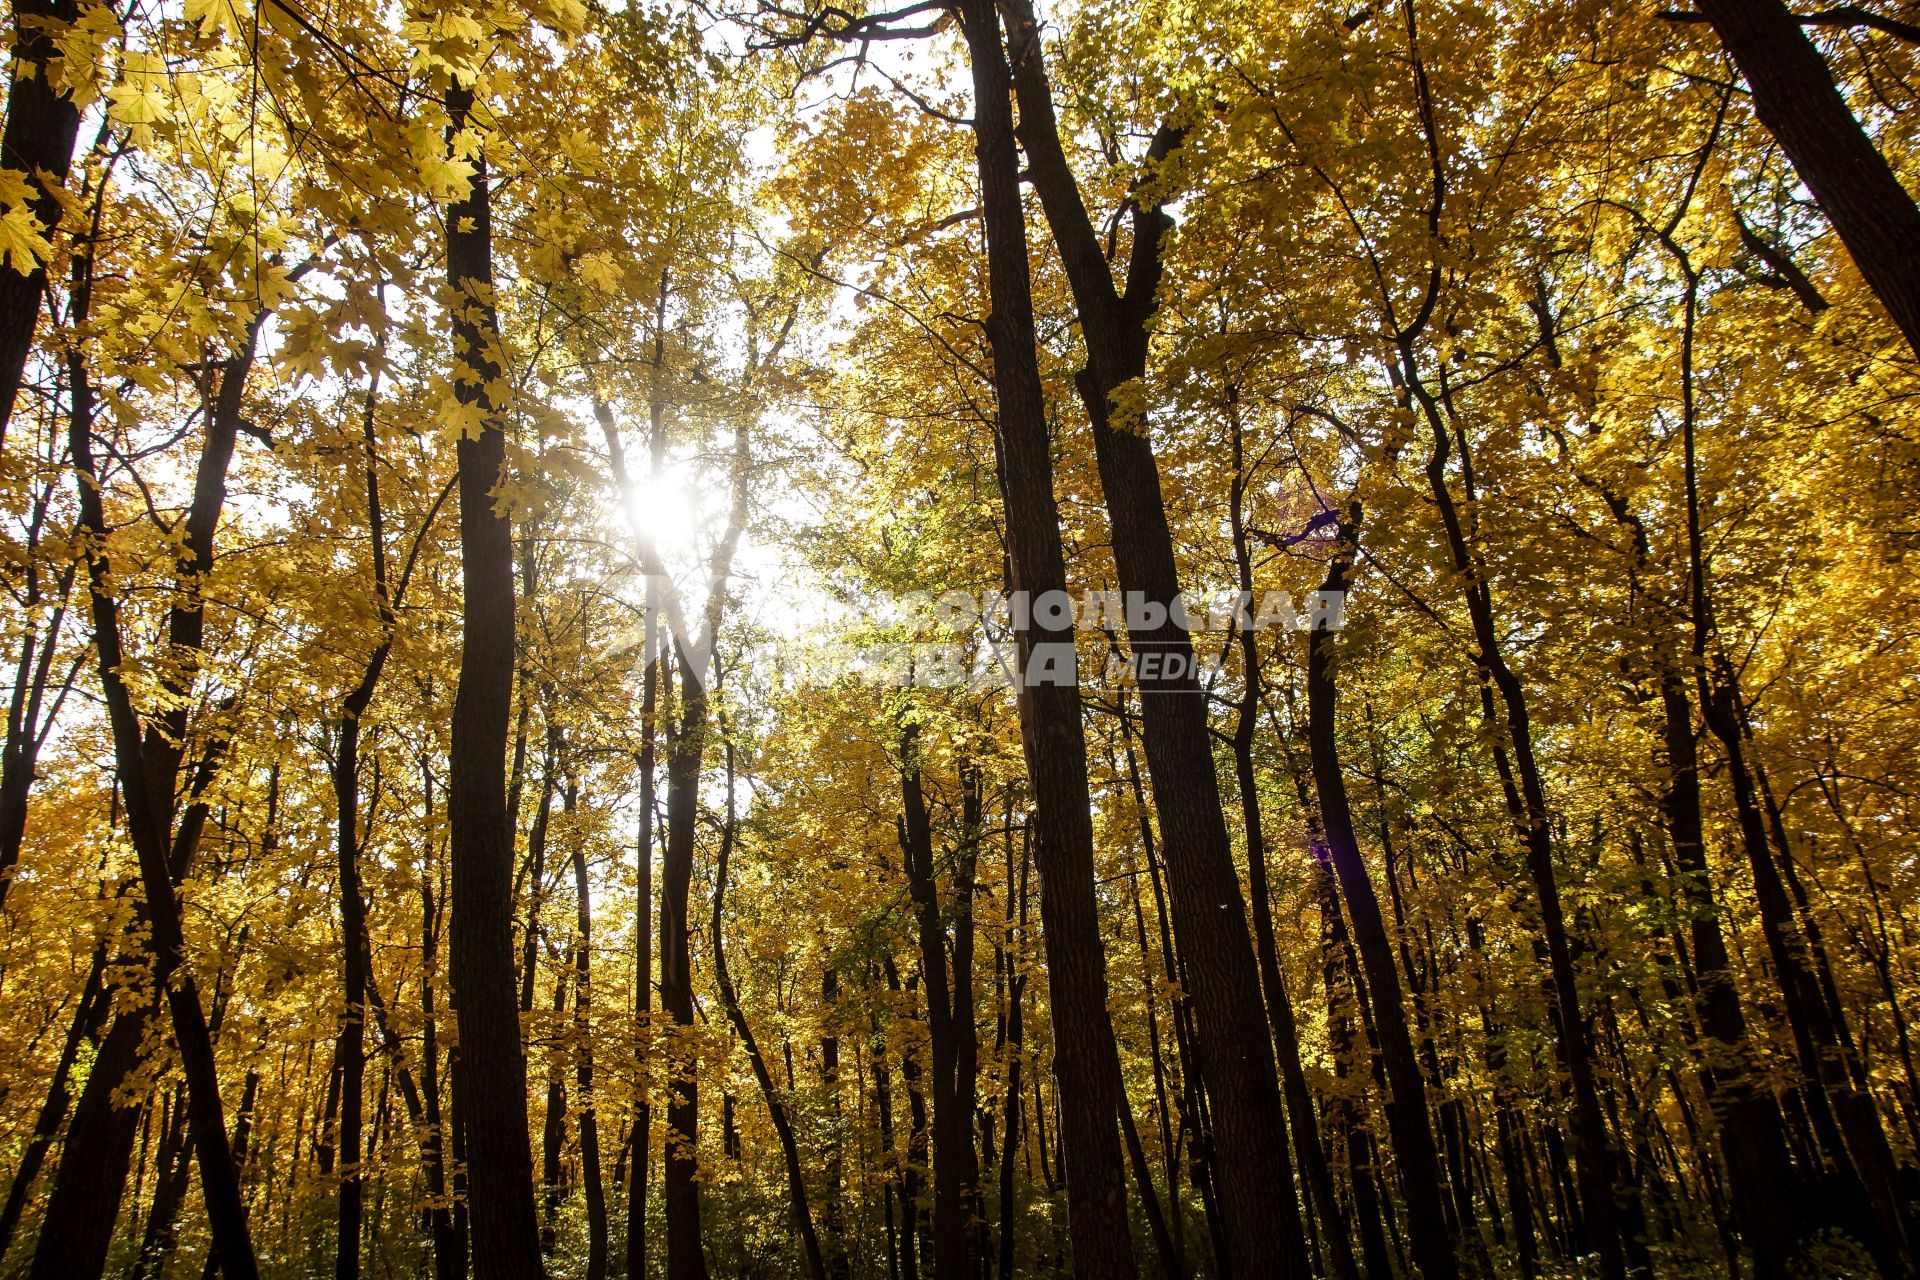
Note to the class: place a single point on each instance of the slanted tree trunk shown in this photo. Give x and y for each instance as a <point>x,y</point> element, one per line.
<point>492,1077</point>
<point>1795,98</point>
<point>1254,1185</point>
<point>148,764</point>
<point>1302,1112</point>
<point>730,997</point>
<point>1086,1060</point>
<point>41,127</point>
<point>1407,1120</point>
<point>89,1017</point>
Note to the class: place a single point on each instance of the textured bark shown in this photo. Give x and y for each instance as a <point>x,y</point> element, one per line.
<point>1795,98</point>
<point>1086,1061</point>
<point>1253,1182</point>
<point>492,1077</point>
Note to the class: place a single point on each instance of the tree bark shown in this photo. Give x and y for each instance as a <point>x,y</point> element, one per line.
<point>42,124</point>
<point>1253,1182</point>
<point>1086,1060</point>
<point>492,1078</point>
<point>1794,96</point>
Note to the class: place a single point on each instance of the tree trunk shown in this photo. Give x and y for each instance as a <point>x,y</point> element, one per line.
<point>492,1079</point>
<point>946,969</point>
<point>1795,98</point>
<point>1254,1185</point>
<point>1086,1060</point>
<point>776,1110</point>
<point>38,141</point>
<point>1407,1118</point>
<point>587,1106</point>
<point>1301,1110</point>
<point>89,1017</point>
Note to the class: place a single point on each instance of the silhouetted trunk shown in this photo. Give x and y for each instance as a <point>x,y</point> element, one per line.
<point>1407,1121</point>
<point>171,1170</point>
<point>492,1078</point>
<point>946,969</point>
<point>89,1017</point>
<point>446,1213</point>
<point>1525,795</point>
<point>1795,98</point>
<point>1015,1037</point>
<point>1254,1185</point>
<point>40,131</point>
<point>1346,1111</point>
<point>586,1107</point>
<point>165,838</point>
<point>1302,1112</point>
<point>553,1136</point>
<point>1086,1060</point>
<point>776,1110</point>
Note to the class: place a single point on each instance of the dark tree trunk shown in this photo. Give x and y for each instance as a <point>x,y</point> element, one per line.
<point>492,1078</point>
<point>147,762</point>
<point>40,131</point>
<point>172,1169</point>
<point>1795,98</point>
<point>444,1214</point>
<point>1086,1060</point>
<point>1526,799</point>
<point>89,1017</point>
<point>1407,1119</point>
<point>1015,1037</point>
<point>1302,1113</point>
<point>686,1255</point>
<point>1346,1111</point>
<point>946,968</point>
<point>587,1106</point>
<point>776,1110</point>
<point>1253,1183</point>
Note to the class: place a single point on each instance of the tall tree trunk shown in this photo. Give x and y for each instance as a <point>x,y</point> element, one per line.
<point>1253,1182</point>
<point>1086,1060</point>
<point>165,838</point>
<point>1525,794</point>
<point>492,1076</point>
<point>946,968</point>
<point>587,1105</point>
<point>171,1172</point>
<point>1407,1119</point>
<point>1795,98</point>
<point>41,127</point>
<point>730,997</point>
<point>1012,1049</point>
<point>1302,1113</point>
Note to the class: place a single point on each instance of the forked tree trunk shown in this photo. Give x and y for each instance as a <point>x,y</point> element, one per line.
<point>1261,1217</point>
<point>1086,1060</point>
